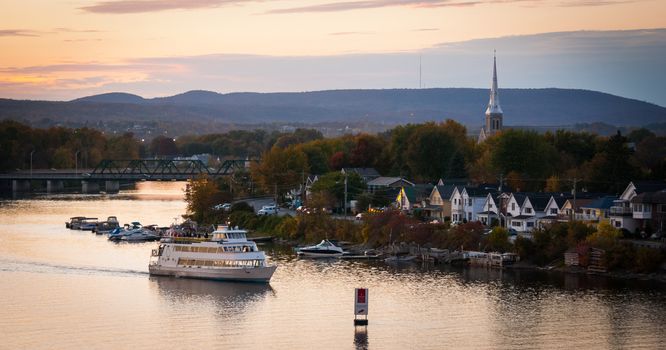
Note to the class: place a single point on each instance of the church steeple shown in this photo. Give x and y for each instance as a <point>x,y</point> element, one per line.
<point>494,104</point>
<point>494,113</point>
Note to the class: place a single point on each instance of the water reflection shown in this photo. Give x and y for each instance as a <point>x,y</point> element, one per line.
<point>176,288</point>
<point>361,337</point>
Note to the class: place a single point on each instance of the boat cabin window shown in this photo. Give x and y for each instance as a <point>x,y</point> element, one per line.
<point>221,263</point>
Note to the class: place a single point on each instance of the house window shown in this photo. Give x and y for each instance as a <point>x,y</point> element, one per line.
<point>528,210</point>
<point>553,211</point>
<point>530,224</point>
<point>515,223</point>
<point>469,216</point>
<point>618,224</point>
<point>513,206</point>
<point>469,202</point>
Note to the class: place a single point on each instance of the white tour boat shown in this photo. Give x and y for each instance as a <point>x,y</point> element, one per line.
<point>227,256</point>
<point>325,249</point>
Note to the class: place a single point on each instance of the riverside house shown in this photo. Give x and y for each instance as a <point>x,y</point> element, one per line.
<point>467,202</point>
<point>622,213</point>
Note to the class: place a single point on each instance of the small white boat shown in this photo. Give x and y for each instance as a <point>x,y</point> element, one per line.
<point>228,256</point>
<point>140,236</point>
<point>325,249</point>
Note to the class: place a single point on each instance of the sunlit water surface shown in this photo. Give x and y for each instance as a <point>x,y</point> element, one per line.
<point>62,289</point>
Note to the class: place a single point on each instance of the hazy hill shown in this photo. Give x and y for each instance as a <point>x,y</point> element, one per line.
<point>536,107</point>
<point>112,97</point>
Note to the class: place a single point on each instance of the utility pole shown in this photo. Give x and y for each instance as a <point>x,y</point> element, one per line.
<point>575,180</point>
<point>76,162</point>
<point>345,195</point>
<point>33,151</point>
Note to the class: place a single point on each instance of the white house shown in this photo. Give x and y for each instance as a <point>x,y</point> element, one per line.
<point>490,211</point>
<point>552,212</point>
<point>520,213</point>
<point>468,202</point>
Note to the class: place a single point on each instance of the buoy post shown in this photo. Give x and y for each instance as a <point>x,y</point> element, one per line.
<point>360,306</point>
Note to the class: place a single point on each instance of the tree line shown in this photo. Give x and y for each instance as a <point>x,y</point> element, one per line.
<point>525,160</point>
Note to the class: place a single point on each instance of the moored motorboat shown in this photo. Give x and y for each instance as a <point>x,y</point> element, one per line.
<point>105,227</point>
<point>325,249</point>
<point>227,256</point>
<point>74,222</point>
<point>88,224</point>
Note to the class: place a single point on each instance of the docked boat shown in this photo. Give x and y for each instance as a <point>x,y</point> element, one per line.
<point>88,224</point>
<point>74,222</point>
<point>133,233</point>
<point>227,256</point>
<point>105,227</point>
<point>325,249</point>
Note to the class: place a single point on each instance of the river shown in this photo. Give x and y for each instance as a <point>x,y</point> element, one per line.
<point>63,289</point>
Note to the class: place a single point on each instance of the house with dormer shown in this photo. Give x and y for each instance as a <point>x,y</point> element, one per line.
<point>439,202</point>
<point>552,212</point>
<point>467,202</point>
<point>524,210</point>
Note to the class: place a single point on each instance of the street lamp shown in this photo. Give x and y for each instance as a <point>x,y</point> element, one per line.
<point>33,151</point>
<point>76,162</point>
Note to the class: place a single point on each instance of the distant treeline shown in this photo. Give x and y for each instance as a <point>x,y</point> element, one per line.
<point>523,159</point>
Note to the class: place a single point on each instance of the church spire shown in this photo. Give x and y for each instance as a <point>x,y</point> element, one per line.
<point>494,104</point>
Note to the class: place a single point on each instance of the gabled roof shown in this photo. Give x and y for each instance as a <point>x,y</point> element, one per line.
<point>560,200</point>
<point>539,203</point>
<point>386,181</point>
<point>445,191</point>
<point>651,198</point>
<point>418,192</point>
<point>580,202</point>
<point>601,203</point>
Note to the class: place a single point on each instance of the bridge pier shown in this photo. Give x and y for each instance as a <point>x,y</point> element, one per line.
<point>20,185</point>
<point>53,186</point>
<point>112,186</point>
<point>89,186</point>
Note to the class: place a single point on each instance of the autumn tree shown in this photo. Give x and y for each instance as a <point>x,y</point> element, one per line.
<point>201,195</point>
<point>280,170</point>
<point>524,152</point>
<point>334,184</point>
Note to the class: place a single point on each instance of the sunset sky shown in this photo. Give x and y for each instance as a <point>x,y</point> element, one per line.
<point>68,49</point>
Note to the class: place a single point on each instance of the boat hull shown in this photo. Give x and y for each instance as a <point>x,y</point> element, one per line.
<point>254,274</point>
<point>323,254</point>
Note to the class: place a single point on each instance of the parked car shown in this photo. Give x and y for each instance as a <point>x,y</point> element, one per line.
<point>225,207</point>
<point>359,216</point>
<point>268,210</point>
